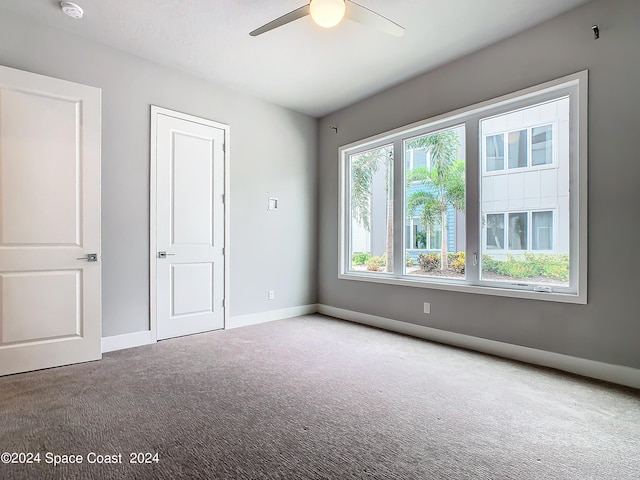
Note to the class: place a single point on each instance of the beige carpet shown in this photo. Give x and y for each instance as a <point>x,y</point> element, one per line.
<point>317,398</point>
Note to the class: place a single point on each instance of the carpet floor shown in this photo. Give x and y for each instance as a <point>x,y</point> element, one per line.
<point>314,398</point>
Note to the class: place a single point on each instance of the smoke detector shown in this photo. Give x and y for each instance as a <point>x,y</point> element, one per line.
<point>72,10</point>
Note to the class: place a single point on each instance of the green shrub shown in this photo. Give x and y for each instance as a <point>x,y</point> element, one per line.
<point>360,258</point>
<point>429,261</point>
<point>532,265</point>
<point>410,262</point>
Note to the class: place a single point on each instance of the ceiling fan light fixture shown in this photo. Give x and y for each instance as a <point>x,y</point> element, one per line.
<point>327,13</point>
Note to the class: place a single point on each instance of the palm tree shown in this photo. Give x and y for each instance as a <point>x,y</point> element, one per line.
<point>444,184</point>
<point>364,166</point>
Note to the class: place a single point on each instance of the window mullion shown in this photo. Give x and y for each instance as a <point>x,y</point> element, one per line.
<point>398,207</point>
<point>473,168</point>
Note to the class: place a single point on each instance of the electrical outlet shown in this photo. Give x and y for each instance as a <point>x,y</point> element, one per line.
<point>427,307</point>
<point>272,294</point>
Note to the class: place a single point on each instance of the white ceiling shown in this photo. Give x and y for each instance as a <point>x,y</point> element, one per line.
<point>300,65</point>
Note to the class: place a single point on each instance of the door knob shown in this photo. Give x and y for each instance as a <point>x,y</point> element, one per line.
<point>164,254</point>
<point>91,257</point>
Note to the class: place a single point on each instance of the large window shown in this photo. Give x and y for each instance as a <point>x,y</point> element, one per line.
<point>489,199</point>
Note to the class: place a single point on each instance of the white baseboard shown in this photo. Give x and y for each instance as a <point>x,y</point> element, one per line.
<point>128,340</point>
<point>589,368</point>
<point>262,317</point>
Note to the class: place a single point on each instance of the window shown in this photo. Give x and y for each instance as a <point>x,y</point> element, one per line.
<point>433,197</point>
<point>482,195</point>
<point>371,215</point>
<point>539,225</point>
<point>518,149</point>
<point>541,143</point>
<point>495,231</point>
<point>495,153</point>
<point>418,237</point>
<point>521,152</point>
<point>518,231</point>
<point>542,230</point>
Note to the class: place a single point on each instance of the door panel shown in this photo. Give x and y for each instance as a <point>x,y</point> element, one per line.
<point>31,299</point>
<point>191,212</point>
<point>189,224</point>
<point>50,312</point>
<point>192,288</point>
<point>39,143</point>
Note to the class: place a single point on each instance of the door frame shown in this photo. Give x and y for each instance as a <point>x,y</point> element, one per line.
<point>153,210</point>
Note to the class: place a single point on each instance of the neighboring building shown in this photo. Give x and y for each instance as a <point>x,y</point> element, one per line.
<point>525,181</point>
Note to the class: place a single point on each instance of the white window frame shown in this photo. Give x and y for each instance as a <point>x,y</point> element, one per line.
<point>575,87</point>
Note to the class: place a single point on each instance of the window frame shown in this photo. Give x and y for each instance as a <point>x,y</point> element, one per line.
<point>575,87</point>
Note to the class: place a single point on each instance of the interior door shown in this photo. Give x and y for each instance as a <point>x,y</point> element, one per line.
<point>50,312</point>
<point>189,236</point>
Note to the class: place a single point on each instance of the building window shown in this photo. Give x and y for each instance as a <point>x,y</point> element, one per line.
<point>542,230</point>
<point>483,191</point>
<point>518,148</point>
<point>527,231</point>
<point>518,231</point>
<point>541,145</point>
<point>495,152</point>
<point>528,147</point>
<point>419,237</point>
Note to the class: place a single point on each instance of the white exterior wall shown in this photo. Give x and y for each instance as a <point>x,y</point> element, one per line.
<point>531,188</point>
<point>360,238</point>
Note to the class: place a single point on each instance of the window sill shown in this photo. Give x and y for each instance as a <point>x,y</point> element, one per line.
<point>459,286</point>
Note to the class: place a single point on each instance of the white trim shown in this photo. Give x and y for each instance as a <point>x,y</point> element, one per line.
<point>256,318</point>
<point>153,223</point>
<point>498,290</point>
<point>155,111</point>
<point>618,374</point>
<point>128,340</point>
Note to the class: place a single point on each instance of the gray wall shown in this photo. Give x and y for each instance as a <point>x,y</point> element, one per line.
<point>607,329</point>
<point>273,151</point>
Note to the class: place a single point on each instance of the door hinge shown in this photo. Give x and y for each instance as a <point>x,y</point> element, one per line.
<point>223,251</point>
<point>224,147</point>
<point>223,198</point>
<point>223,303</point>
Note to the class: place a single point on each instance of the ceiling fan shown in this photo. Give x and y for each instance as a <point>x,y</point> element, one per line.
<point>328,13</point>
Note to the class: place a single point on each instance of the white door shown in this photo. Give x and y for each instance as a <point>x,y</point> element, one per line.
<point>50,311</point>
<point>188,255</point>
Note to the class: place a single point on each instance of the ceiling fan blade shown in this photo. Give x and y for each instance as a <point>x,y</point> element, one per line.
<point>283,20</point>
<point>363,15</point>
